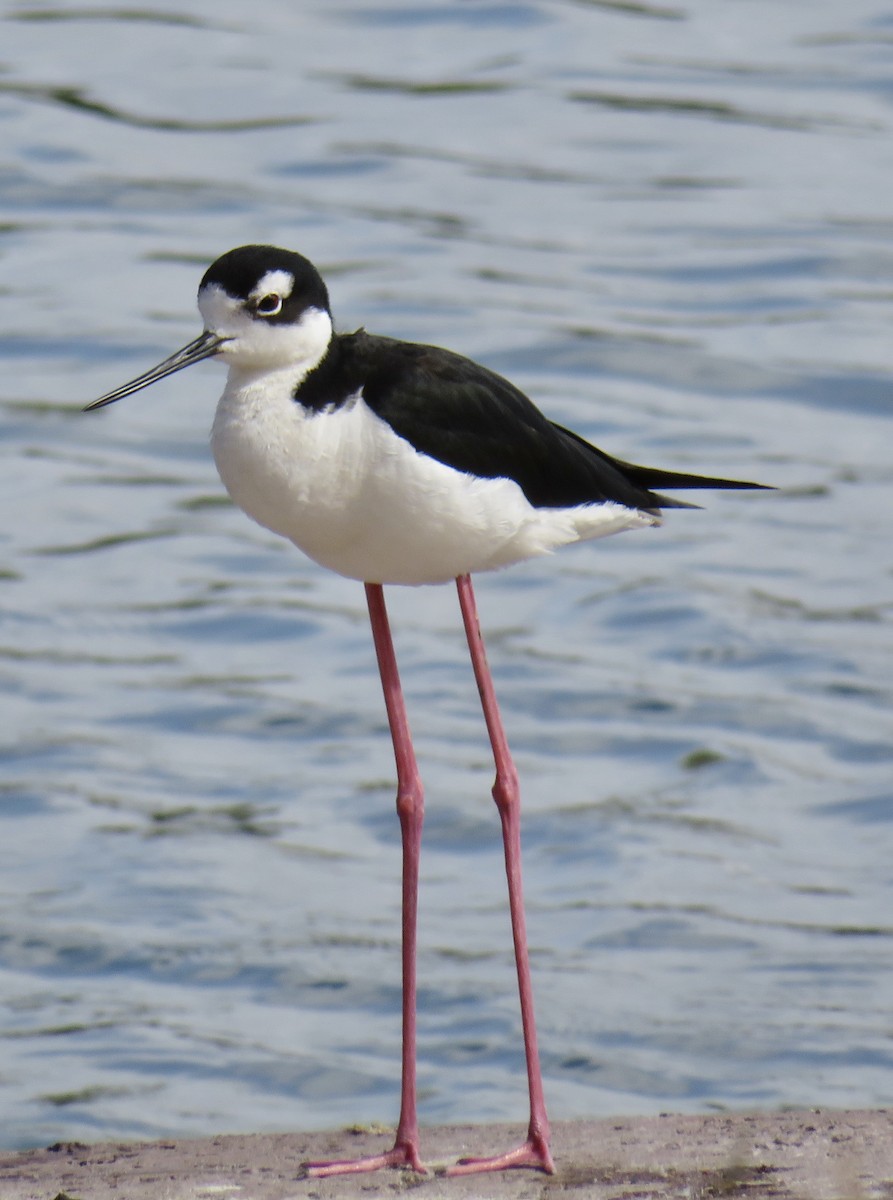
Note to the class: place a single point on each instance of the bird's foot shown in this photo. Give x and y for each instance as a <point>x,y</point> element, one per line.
<point>534,1153</point>
<point>404,1154</point>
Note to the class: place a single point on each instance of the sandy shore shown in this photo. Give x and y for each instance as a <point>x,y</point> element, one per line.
<point>807,1155</point>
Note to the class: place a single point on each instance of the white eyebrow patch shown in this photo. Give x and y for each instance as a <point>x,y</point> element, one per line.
<point>279,283</point>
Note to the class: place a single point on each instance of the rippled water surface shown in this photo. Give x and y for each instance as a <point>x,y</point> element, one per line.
<point>671,224</point>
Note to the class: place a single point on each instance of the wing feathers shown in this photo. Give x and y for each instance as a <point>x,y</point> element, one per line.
<point>473,420</point>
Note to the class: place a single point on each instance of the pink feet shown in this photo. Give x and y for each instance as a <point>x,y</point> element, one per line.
<point>533,1154</point>
<point>404,1154</point>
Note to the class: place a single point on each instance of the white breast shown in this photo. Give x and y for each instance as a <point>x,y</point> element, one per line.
<point>363,502</point>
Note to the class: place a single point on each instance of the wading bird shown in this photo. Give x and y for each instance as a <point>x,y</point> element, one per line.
<point>391,462</point>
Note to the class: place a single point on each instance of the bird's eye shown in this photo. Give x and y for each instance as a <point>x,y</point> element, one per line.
<point>269,305</point>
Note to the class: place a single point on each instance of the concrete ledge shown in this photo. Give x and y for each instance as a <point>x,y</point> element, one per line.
<point>815,1155</point>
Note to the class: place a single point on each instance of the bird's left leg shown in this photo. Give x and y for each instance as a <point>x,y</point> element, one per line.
<point>410,809</point>
<point>534,1152</point>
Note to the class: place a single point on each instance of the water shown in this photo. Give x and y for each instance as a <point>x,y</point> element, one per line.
<point>670,223</point>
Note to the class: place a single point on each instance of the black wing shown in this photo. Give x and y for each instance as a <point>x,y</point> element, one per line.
<point>657,477</point>
<point>473,420</point>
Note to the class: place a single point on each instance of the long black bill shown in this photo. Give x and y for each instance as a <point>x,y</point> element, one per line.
<point>205,345</point>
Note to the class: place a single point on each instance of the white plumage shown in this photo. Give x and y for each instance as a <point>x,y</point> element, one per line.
<point>363,502</point>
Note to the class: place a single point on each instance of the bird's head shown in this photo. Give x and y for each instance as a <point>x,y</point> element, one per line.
<point>264,309</point>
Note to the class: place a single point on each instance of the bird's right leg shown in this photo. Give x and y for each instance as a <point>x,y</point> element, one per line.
<point>410,809</point>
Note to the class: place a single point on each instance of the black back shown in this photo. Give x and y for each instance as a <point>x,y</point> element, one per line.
<point>473,420</point>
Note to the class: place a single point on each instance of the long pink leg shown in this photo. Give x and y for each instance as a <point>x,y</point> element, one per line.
<point>410,809</point>
<point>507,794</point>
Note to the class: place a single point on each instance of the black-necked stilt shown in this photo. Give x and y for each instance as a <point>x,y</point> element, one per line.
<point>391,462</point>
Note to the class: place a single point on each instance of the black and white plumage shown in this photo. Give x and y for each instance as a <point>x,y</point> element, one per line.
<point>391,462</point>
<point>388,461</point>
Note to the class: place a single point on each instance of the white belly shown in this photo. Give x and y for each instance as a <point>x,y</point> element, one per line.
<point>361,501</point>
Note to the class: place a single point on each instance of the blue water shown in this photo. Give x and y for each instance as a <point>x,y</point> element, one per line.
<point>671,224</point>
